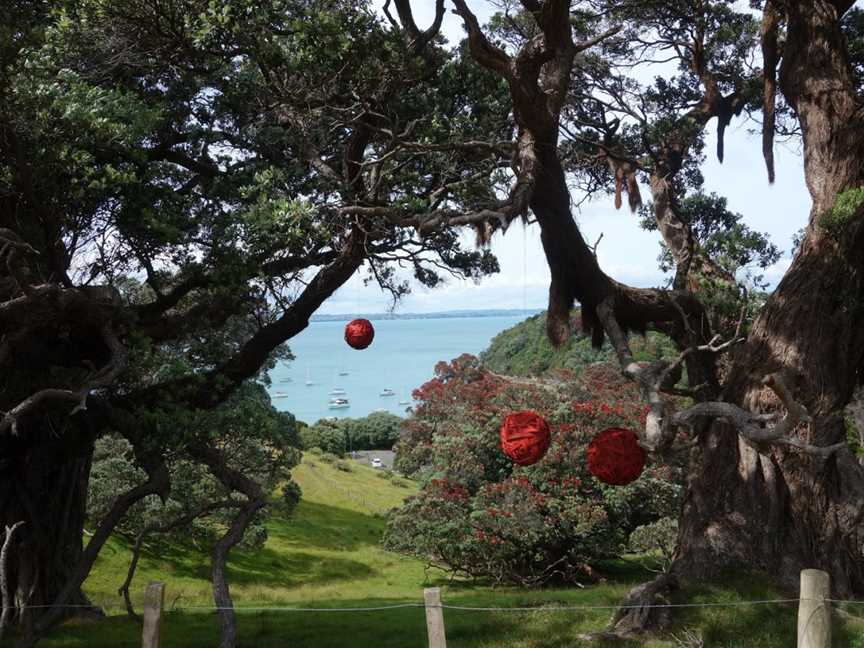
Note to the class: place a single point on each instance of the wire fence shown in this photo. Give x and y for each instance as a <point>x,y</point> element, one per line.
<point>464,608</point>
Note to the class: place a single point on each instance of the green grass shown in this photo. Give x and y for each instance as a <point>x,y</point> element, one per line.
<point>328,556</point>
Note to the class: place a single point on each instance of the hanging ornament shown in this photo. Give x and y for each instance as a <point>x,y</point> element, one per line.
<point>359,333</point>
<point>615,456</point>
<point>525,437</point>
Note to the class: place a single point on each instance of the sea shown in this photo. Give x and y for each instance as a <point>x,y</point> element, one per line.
<point>401,358</point>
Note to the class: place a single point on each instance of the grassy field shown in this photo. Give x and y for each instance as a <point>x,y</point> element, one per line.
<point>328,556</point>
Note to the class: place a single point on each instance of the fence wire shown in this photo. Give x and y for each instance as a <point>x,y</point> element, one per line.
<point>465,608</point>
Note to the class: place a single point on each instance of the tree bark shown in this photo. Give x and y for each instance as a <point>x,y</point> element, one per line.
<point>255,501</point>
<point>45,485</point>
<point>775,508</point>
<point>221,550</point>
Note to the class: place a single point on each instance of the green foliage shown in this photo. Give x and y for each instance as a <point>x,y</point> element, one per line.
<point>480,515</point>
<point>719,233</point>
<point>291,495</point>
<point>328,555</point>
<point>258,440</point>
<point>846,206</point>
<point>659,537</point>
<point>324,435</point>
<point>377,431</point>
<point>854,436</point>
<point>525,350</point>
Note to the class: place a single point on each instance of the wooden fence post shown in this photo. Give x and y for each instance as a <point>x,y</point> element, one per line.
<point>154,599</point>
<point>434,618</point>
<point>814,612</point>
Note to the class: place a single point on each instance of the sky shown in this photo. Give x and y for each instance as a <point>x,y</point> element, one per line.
<point>626,253</point>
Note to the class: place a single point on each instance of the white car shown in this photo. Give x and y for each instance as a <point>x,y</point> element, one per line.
<point>376,463</point>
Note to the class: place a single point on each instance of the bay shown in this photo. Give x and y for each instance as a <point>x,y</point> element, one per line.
<point>402,357</point>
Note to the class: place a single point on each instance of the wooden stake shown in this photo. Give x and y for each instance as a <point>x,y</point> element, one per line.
<point>434,618</point>
<point>154,600</point>
<point>814,612</point>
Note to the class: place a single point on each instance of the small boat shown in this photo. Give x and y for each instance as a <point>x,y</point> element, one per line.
<point>338,391</point>
<point>342,372</point>
<point>285,380</point>
<point>387,392</point>
<point>339,403</point>
<point>405,400</point>
<point>281,395</point>
<point>309,382</point>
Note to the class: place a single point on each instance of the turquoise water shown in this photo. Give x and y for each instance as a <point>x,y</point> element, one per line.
<point>402,357</point>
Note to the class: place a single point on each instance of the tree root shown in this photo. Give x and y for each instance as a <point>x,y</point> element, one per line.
<point>637,613</point>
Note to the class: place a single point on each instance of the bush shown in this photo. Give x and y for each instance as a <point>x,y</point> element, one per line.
<point>344,466</point>
<point>291,494</point>
<point>329,458</point>
<point>326,435</point>
<point>480,515</point>
<point>396,480</point>
<point>378,431</point>
<point>657,538</point>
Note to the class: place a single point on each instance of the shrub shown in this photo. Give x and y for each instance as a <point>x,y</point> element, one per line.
<point>658,538</point>
<point>396,480</point>
<point>480,515</point>
<point>291,494</point>
<point>344,466</point>
<point>326,435</point>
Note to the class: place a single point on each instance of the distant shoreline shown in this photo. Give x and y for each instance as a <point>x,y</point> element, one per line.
<point>438,315</point>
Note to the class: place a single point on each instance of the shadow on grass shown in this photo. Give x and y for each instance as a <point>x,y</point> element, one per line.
<point>262,567</point>
<point>287,559</point>
<point>327,527</point>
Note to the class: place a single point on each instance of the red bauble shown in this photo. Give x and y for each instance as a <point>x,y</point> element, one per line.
<point>359,333</point>
<point>525,437</point>
<point>615,456</point>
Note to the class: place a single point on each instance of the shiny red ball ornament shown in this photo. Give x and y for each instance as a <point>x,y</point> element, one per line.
<point>615,456</point>
<point>359,333</point>
<point>525,437</point>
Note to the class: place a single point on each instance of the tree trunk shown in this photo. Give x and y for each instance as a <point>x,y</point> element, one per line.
<point>44,484</point>
<point>776,508</point>
<point>221,593</point>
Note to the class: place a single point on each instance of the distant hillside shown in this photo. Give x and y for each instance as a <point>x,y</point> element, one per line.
<point>342,317</point>
<point>524,350</point>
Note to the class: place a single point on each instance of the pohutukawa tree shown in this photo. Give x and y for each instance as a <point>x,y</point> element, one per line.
<point>774,482</point>
<point>182,185</point>
<point>243,160</point>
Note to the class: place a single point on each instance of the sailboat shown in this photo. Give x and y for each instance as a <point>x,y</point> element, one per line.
<point>405,400</point>
<point>308,378</point>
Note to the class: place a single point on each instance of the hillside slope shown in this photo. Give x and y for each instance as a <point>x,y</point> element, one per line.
<point>328,556</point>
<point>525,350</point>
<point>332,538</point>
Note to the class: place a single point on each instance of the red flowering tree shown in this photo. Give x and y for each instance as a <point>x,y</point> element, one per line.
<point>481,515</point>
